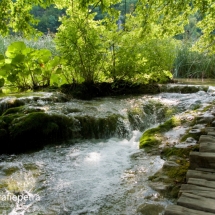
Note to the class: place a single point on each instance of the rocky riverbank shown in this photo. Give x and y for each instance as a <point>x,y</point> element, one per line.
<point>26,122</point>
<point>102,148</point>
<point>173,141</point>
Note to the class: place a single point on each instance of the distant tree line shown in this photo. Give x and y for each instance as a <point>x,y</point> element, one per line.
<point>49,17</point>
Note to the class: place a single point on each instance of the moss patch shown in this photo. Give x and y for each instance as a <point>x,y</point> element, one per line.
<point>11,104</point>
<point>101,127</point>
<point>29,129</point>
<point>23,129</point>
<point>179,152</point>
<point>153,137</point>
<point>174,175</point>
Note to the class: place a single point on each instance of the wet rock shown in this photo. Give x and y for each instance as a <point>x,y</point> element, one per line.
<point>59,97</point>
<point>190,140</point>
<point>169,165</point>
<point>27,131</point>
<point>138,155</point>
<point>10,169</point>
<point>201,93</point>
<point>177,88</point>
<point>194,131</point>
<point>211,90</point>
<point>30,128</point>
<point>160,177</point>
<point>174,158</point>
<point>9,102</point>
<point>199,126</point>
<point>150,209</point>
<point>159,187</point>
<point>206,118</point>
<point>73,110</point>
<point>213,123</point>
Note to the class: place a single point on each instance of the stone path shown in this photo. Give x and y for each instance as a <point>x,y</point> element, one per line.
<point>197,197</point>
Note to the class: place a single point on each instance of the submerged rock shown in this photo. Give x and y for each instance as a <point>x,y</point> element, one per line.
<point>168,165</point>
<point>150,209</point>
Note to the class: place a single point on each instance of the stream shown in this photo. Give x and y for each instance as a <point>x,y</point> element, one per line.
<point>102,175</point>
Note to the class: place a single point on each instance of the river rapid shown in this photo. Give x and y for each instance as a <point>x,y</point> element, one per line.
<point>107,175</point>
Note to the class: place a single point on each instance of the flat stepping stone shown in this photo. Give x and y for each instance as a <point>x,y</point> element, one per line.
<point>209,129</point>
<point>207,143</point>
<point>179,210</point>
<point>205,170</point>
<point>198,190</point>
<point>212,133</point>
<point>202,160</point>
<point>200,175</point>
<point>198,195</point>
<point>202,182</point>
<point>197,202</point>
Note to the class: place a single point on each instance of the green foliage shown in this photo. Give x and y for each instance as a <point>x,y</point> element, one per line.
<point>131,40</point>
<point>78,39</point>
<point>48,18</point>
<point>191,63</point>
<point>98,49</point>
<point>152,137</point>
<point>179,152</point>
<point>15,15</point>
<point>25,67</point>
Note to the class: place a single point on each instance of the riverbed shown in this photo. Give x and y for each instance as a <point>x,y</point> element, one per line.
<point>107,175</point>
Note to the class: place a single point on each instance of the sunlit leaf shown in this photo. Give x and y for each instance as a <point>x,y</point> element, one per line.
<point>15,48</point>
<point>58,71</point>
<point>4,70</point>
<point>18,59</point>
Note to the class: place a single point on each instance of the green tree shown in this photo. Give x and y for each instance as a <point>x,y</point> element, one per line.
<point>138,48</point>
<point>16,16</point>
<point>78,40</point>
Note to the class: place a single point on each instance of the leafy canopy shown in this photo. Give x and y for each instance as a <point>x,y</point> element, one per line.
<point>169,15</point>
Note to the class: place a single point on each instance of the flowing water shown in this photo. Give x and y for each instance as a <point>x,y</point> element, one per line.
<point>103,176</point>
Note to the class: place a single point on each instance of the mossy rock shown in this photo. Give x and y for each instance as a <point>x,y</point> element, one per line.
<point>174,170</point>
<point>21,110</point>
<point>182,89</point>
<point>31,131</point>
<point>28,130</point>
<point>87,91</point>
<point>194,135</point>
<point>153,137</point>
<point>136,116</point>
<point>14,113</point>
<point>10,104</point>
<point>150,209</point>
<point>167,152</point>
<point>13,110</point>
<point>101,127</point>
